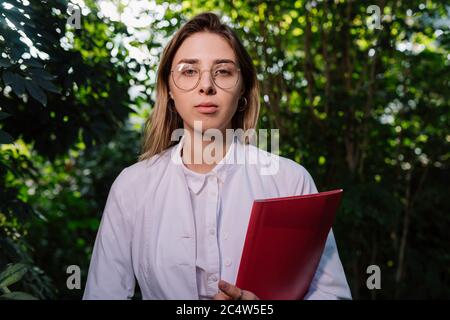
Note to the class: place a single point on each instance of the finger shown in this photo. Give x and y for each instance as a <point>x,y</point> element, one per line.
<point>248,295</point>
<point>221,296</point>
<point>229,289</point>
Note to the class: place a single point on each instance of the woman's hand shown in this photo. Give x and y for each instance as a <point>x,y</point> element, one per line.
<point>231,292</point>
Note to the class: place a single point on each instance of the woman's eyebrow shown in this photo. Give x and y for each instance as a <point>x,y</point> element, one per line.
<point>195,61</point>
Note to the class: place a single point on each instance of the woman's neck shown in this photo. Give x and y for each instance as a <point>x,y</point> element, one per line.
<point>201,154</point>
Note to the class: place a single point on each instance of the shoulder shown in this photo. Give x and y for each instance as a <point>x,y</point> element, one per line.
<point>140,174</point>
<point>284,170</point>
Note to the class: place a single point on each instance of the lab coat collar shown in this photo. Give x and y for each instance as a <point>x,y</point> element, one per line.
<point>196,180</point>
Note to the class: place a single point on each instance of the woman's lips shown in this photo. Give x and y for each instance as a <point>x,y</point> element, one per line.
<point>206,108</point>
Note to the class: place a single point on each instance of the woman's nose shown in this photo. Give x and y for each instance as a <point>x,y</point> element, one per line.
<point>206,83</point>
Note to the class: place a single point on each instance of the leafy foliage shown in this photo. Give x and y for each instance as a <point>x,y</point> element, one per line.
<point>363,109</point>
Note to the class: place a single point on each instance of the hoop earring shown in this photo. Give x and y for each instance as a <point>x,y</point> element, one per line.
<point>244,106</point>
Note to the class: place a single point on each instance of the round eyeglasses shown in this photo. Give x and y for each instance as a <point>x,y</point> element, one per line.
<point>187,76</point>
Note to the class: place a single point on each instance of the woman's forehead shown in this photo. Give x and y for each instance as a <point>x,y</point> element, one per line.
<point>206,48</point>
<point>198,61</point>
<point>201,40</point>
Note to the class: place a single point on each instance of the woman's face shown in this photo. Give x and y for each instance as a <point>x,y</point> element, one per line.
<point>202,52</point>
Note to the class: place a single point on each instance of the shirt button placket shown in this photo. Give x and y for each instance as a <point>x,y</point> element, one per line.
<point>212,225</point>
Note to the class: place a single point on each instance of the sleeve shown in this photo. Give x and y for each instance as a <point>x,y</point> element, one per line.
<point>111,275</point>
<point>329,281</point>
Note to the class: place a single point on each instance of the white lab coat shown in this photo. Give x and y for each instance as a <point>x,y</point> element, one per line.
<point>147,230</point>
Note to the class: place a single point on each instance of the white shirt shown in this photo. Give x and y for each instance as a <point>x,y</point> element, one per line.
<point>157,218</point>
<point>205,191</point>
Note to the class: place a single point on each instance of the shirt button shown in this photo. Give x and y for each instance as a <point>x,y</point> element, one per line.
<point>214,278</point>
<point>227,262</point>
<point>212,232</point>
<point>225,235</point>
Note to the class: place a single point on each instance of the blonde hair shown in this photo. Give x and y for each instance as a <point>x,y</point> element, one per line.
<point>163,119</point>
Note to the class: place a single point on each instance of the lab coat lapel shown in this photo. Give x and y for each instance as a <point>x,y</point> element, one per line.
<point>179,224</point>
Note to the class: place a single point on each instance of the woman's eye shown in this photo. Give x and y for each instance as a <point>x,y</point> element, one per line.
<point>190,72</point>
<point>222,72</point>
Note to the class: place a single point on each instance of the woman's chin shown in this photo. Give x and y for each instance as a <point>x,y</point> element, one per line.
<point>207,125</point>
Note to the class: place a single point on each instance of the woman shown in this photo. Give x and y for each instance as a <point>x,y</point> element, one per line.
<point>178,225</point>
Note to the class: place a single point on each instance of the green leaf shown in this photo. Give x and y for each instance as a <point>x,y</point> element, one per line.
<point>15,16</point>
<point>36,92</point>
<point>49,86</point>
<point>17,295</point>
<point>4,115</point>
<point>12,274</point>
<point>5,137</point>
<point>41,74</point>
<point>4,63</point>
<point>18,84</point>
<point>33,63</point>
<point>8,77</point>
<point>16,54</point>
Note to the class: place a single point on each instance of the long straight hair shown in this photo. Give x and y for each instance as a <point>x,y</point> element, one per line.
<point>163,119</point>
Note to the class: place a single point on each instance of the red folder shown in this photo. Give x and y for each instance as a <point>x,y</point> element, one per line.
<point>284,243</point>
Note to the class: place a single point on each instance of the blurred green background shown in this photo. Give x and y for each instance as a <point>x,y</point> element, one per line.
<point>361,101</point>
